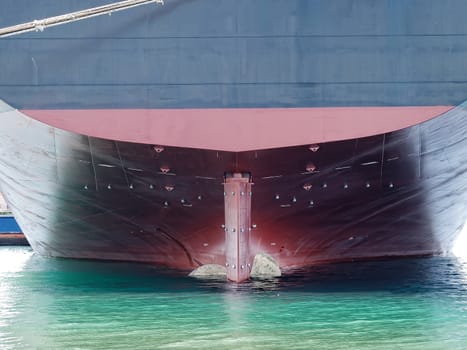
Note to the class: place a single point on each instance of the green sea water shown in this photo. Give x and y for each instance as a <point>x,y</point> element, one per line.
<point>65,304</point>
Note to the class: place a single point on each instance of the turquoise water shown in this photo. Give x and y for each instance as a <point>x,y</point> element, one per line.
<point>62,304</point>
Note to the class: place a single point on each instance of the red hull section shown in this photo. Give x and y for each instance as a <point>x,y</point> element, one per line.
<point>237,130</point>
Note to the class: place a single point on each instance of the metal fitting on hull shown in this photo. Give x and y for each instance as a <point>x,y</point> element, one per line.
<point>237,209</point>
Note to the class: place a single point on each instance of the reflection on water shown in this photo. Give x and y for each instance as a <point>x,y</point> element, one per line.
<point>66,304</point>
<point>13,259</point>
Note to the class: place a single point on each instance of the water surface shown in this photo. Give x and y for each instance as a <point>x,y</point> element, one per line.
<point>65,304</point>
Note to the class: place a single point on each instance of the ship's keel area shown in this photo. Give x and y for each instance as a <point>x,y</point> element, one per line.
<point>397,193</point>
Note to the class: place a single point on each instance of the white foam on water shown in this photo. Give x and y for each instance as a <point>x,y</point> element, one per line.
<point>460,246</point>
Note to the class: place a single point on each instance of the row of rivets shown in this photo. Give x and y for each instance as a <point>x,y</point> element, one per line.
<point>241,229</point>
<point>168,188</point>
<point>368,185</point>
<point>151,186</point>
<point>308,187</point>
<point>183,201</point>
<point>233,266</point>
<point>311,203</point>
<point>241,193</point>
<point>131,187</point>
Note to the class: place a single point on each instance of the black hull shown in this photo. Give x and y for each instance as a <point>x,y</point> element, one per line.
<point>402,193</point>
